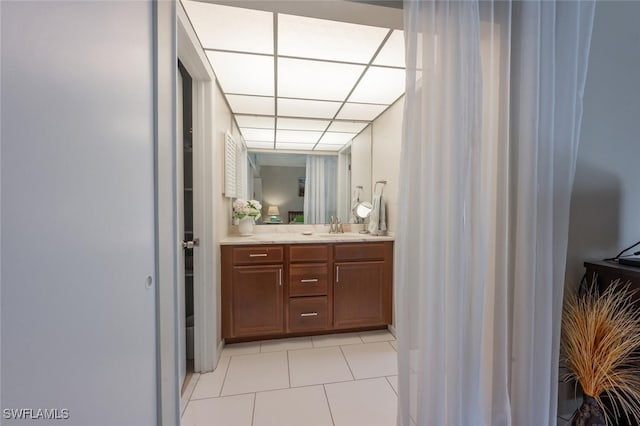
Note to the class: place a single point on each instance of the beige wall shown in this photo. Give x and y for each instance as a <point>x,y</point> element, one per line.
<point>385,157</point>
<point>280,188</point>
<point>361,163</point>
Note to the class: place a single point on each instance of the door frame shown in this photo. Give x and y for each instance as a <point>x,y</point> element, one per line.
<point>206,263</point>
<point>173,38</point>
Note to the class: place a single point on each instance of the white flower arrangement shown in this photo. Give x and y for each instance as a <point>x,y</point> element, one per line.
<point>243,208</point>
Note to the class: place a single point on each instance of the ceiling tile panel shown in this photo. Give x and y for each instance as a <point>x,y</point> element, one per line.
<point>259,145</point>
<point>392,53</point>
<point>305,108</point>
<point>336,138</point>
<point>321,39</point>
<point>379,86</point>
<point>231,28</point>
<point>347,126</point>
<point>243,74</point>
<point>297,136</point>
<point>302,124</point>
<point>257,135</point>
<point>360,111</point>
<point>242,104</point>
<point>297,146</point>
<point>255,121</point>
<point>316,79</point>
<point>327,147</point>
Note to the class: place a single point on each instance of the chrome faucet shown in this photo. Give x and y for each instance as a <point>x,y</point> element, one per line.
<point>335,226</point>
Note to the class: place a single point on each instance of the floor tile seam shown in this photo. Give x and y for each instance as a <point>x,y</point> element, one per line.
<point>392,388</point>
<point>224,379</point>
<point>251,392</point>
<point>288,369</point>
<point>323,383</point>
<point>324,388</point>
<point>253,412</point>
<point>347,362</point>
<point>196,377</point>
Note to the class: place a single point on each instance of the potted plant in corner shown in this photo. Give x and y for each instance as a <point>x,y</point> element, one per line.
<point>600,346</point>
<point>245,213</point>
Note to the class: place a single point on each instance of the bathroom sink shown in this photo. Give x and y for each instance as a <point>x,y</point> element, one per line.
<point>340,236</point>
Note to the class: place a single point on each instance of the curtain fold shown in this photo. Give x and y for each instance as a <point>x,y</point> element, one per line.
<point>321,186</point>
<point>490,135</point>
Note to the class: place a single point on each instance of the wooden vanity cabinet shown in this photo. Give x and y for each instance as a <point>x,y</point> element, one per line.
<point>302,289</point>
<point>309,289</point>
<point>362,285</point>
<point>254,290</point>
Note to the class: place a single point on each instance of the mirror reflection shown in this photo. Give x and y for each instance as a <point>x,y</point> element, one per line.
<point>294,188</point>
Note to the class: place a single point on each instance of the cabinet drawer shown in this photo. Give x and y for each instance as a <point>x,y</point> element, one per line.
<point>308,313</point>
<point>257,255</point>
<point>308,279</point>
<point>309,253</point>
<point>360,251</point>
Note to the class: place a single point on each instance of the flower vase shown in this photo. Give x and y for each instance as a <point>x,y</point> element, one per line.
<point>245,226</point>
<point>589,413</point>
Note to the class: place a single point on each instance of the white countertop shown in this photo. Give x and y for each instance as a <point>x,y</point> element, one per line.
<point>299,238</point>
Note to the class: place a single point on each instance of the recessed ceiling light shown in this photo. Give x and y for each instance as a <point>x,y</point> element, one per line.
<point>332,138</point>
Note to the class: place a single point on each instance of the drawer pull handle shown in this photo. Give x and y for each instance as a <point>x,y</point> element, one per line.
<point>258,255</point>
<point>280,277</point>
<point>309,314</point>
<point>337,274</point>
<point>310,280</point>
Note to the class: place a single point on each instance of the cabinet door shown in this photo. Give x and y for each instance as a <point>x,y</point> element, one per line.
<point>361,295</point>
<point>257,300</point>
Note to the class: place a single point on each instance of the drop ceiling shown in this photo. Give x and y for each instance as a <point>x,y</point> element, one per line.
<point>299,83</point>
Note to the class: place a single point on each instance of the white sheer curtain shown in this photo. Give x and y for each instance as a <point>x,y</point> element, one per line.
<point>490,136</point>
<point>321,187</point>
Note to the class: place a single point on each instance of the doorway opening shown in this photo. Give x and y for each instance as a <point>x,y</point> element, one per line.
<point>185,202</point>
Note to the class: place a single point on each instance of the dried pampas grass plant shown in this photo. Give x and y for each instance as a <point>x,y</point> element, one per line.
<point>600,346</point>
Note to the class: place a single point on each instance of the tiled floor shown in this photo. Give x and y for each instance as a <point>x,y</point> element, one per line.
<point>340,379</point>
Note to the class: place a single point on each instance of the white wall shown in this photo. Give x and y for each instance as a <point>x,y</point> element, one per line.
<point>280,188</point>
<point>605,206</point>
<point>386,142</point>
<point>78,224</point>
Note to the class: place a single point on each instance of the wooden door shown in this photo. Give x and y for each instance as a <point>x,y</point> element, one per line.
<point>360,296</point>
<point>257,300</point>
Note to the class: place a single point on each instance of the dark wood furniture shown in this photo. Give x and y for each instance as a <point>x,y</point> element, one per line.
<point>271,291</point>
<point>292,215</point>
<point>603,273</point>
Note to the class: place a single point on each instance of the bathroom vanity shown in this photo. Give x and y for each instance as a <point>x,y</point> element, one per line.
<point>280,285</point>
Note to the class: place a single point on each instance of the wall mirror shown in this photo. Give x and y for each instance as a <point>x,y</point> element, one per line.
<point>301,188</point>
